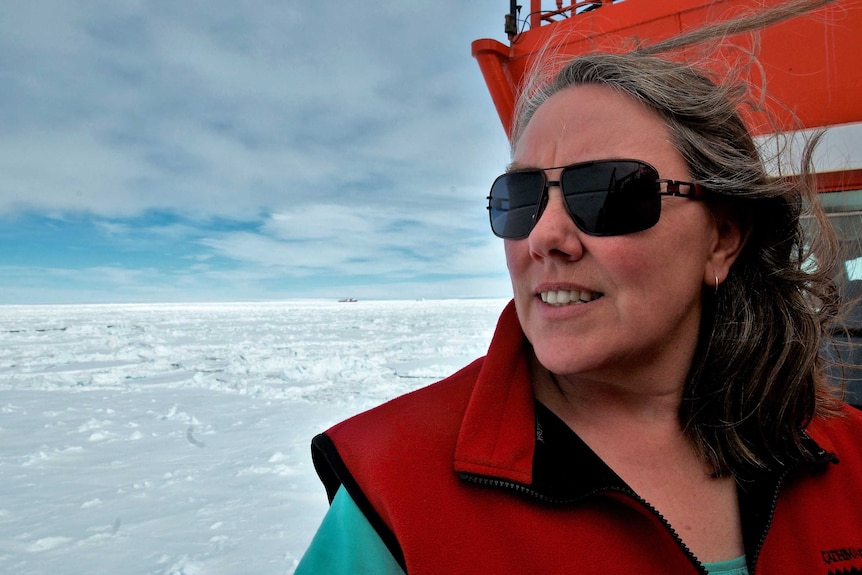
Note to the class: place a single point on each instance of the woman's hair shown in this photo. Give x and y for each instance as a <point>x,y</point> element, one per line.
<point>757,378</point>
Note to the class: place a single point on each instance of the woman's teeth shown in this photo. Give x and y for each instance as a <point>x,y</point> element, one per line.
<point>561,297</point>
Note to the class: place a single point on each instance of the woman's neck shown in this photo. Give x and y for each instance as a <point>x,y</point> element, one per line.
<point>637,433</point>
<point>583,402</point>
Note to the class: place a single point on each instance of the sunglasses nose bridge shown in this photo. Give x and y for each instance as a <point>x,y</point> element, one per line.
<point>545,197</point>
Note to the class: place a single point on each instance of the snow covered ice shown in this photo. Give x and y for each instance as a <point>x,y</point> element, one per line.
<point>174,438</point>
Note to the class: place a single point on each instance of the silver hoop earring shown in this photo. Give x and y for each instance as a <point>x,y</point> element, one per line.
<point>716,283</point>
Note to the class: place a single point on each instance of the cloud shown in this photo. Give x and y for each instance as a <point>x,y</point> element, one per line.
<point>343,241</point>
<point>230,109</point>
<point>264,139</point>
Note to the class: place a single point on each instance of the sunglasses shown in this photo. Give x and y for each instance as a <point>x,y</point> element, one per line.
<point>604,197</point>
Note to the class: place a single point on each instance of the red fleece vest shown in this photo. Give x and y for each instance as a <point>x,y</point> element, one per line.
<point>401,463</point>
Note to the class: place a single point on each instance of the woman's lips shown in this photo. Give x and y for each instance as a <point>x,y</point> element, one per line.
<point>568,297</point>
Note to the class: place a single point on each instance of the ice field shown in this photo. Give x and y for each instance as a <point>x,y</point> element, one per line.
<point>174,438</point>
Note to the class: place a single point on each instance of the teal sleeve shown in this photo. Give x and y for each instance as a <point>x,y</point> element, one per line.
<point>346,544</point>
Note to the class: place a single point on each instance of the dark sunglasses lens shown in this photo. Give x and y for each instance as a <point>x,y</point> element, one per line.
<point>612,198</point>
<point>513,202</point>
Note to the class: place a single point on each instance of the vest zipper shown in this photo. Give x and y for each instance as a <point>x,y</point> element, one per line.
<point>524,490</point>
<point>822,457</point>
<point>771,514</point>
<point>779,481</point>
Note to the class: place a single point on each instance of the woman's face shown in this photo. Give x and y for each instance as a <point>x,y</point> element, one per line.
<point>643,290</point>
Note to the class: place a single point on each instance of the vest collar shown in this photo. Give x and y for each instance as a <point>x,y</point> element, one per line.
<point>524,445</point>
<point>497,436</point>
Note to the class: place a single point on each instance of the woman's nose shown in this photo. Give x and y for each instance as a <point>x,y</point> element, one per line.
<point>555,233</point>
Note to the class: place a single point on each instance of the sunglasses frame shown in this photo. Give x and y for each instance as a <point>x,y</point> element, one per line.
<point>696,191</point>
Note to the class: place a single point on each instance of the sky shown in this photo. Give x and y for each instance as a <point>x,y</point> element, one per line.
<point>163,151</point>
<point>245,150</point>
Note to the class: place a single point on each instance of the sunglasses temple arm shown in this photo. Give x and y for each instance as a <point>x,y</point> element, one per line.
<point>673,188</point>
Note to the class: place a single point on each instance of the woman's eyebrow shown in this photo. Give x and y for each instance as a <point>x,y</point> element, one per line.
<point>517,167</point>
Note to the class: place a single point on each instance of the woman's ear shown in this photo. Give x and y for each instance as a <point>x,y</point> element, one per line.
<point>732,230</point>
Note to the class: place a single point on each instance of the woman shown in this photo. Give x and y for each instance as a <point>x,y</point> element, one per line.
<point>652,400</point>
